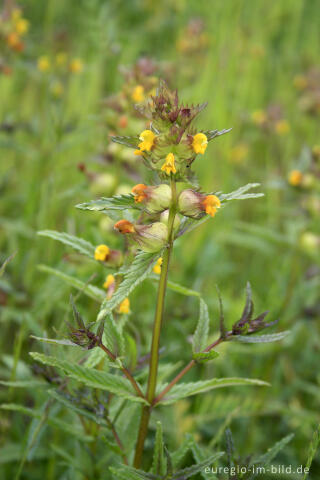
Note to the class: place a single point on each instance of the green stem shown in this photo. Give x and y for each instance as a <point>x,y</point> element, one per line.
<point>154,357</point>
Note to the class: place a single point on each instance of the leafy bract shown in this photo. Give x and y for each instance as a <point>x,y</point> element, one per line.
<point>133,276</point>
<point>118,202</point>
<point>91,377</point>
<point>184,390</point>
<point>78,244</point>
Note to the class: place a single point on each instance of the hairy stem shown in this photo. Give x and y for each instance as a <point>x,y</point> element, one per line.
<point>124,370</point>
<point>182,373</point>
<point>154,357</point>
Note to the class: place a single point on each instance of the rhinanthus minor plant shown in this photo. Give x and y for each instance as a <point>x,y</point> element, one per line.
<point>150,219</point>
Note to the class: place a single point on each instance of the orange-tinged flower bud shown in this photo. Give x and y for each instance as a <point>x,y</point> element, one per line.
<point>155,198</point>
<point>199,143</point>
<point>149,238</point>
<point>139,192</point>
<point>195,205</point>
<point>169,165</point>
<point>124,226</point>
<point>295,178</point>
<point>101,253</point>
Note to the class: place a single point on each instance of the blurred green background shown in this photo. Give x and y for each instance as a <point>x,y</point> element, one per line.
<point>257,65</point>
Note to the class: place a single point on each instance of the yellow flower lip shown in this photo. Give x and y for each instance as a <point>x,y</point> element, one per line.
<point>110,280</point>
<point>101,253</point>
<point>169,165</point>
<point>211,203</point>
<point>147,140</point>
<point>157,267</point>
<point>200,143</point>
<point>124,306</point>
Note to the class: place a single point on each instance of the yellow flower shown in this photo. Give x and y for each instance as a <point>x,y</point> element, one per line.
<point>76,65</point>
<point>101,252</point>
<point>43,63</point>
<point>61,59</point>
<point>124,306</point>
<point>124,227</point>
<point>57,89</point>
<point>138,94</point>
<point>282,127</point>
<point>147,140</point>
<point>22,26</point>
<point>108,281</point>
<point>211,203</point>
<point>295,178</point>
<point>200,143</point>
<point>259,117</point>
<point>157,267</point>
<point>169,166</point>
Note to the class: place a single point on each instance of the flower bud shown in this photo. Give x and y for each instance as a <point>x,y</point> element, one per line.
<point>164,217</point>
<point>150,238</point>
<point>195,205</point>
<point>156,199</point>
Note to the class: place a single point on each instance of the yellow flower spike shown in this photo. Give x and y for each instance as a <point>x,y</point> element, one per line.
<point>147,140</point>
<point>109,281</point>
<point>259,117</point>
<point>211,203</point>
<point>124,306</point>
<point>199,143</point>
<point>295,178</point>
<point>76,65</point>
<point>282,127</point>
<point>101,252</point>
<point>22,26</point>
<point>43,63</point>
<point>157,267</point>
<point>169,165</point>
<point>138,94</point>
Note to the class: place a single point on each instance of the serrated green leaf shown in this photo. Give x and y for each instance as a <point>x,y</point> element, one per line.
<point>78,244</point>
<point>266,459</point>
<point>128,141</point>
<point>201,455</point>
<point>130,473</point>
<point>54,422</point>
<point>158,463</point>
<point>203,357</point>
<point>240,193</point>
<point>75,408</point>
<point>118,202</point>
<point>200,337</point>
<point>267,338</point>
<point>184,390</point>
<point>114,337</point>
<point>211,134</point>
<point>23,383</point>
<point>312,450</point>
<point>54,341</point>
<point>5,263</point>
<point>91,377</point>
<point>91,291</point>
<point>135,274</point>
<point>179,454</point>
<point>194,469</point>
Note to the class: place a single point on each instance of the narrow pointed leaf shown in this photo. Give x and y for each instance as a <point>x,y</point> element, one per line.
<point>200,337</point>
<point>78,244</point>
